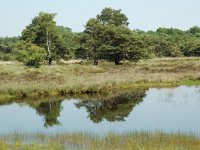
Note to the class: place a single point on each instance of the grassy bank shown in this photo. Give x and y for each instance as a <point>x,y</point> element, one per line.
<point>63,79</point>
<point>131,141</point>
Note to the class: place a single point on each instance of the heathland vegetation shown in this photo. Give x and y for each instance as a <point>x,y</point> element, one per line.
<point>38,60</point>
<point>107,59</point>
<point>18,81</point>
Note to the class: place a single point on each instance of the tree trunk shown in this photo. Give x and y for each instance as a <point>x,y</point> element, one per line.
<point>49,48</point>
<point>49,60</point>
<point>117,59</point>
<point>96,61</point>
<point>95,55</point>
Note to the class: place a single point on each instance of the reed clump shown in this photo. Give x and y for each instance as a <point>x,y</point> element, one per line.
<point>112,141</point>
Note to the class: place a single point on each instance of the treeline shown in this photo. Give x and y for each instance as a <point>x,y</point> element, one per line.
<point>105,37</point>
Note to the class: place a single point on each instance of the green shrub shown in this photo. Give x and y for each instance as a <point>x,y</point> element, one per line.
<point>5,56</point>
<point>30,54</point>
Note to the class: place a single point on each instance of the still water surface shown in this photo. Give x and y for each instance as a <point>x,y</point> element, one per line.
<point>168,110</point>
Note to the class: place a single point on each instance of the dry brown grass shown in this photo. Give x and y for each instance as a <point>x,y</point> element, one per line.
<point>16,79</point>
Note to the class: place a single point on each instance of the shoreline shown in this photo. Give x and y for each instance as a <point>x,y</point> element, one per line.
<point>104,90</point>
<point>18,81</point>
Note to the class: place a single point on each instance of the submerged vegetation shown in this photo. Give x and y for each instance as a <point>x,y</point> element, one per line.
<point>129,141</point>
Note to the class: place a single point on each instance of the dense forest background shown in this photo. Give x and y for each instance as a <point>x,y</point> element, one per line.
<point>106,37</point>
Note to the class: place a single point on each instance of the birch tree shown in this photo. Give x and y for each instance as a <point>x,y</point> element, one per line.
<point>44,33</point>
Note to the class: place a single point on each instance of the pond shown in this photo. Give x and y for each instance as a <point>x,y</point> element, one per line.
<point>166,109</point>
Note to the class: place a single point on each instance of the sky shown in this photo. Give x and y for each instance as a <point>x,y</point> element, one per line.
<point>146,15</point>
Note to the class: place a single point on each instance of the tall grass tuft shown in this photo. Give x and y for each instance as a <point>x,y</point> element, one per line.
<point>112,141</point>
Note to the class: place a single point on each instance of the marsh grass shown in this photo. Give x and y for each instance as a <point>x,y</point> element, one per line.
<point>18,81</point>
<point>112,141</point>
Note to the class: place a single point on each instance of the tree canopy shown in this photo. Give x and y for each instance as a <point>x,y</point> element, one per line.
<point>105,37</point>
<point>108,37</point>
<point>44,32</point>
<point>29,53</point>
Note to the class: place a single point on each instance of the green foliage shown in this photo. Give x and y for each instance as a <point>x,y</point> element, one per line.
<point>192,47</point>
<point>92,38</point>
<point>36,31</point>
<point>116,43</point>
<point>81,53</point>
<point>112,16</point>
<point>195,31</point>
<point>169,31</point>
<point>105,37</point>
<point>70,40</point>
<point>168,42</point>
<point>6,47</point>
<point>108,37</point>
<point>7,43</point>
<point>42,29</point>
<point>6,56</point>
<point>30,54</point>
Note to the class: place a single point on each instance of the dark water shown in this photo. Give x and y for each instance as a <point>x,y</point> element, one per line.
<point>168,110</point>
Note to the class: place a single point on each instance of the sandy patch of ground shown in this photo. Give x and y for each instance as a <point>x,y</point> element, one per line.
<point>72,61</point>
<point>7,62</point>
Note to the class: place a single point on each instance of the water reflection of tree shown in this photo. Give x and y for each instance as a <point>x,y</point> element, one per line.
<point>112,108</point>
<point>116,108</point>
<point>51,111</point>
